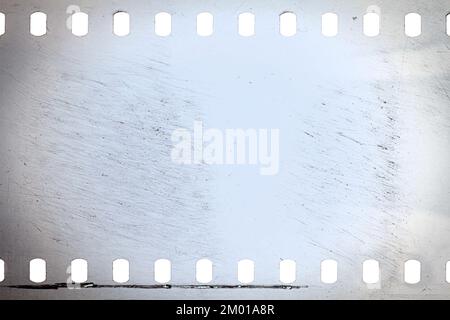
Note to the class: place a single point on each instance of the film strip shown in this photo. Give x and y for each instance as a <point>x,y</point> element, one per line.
<point>224,149</point>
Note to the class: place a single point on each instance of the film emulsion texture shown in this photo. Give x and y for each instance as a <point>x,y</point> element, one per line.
<point>345,156</point>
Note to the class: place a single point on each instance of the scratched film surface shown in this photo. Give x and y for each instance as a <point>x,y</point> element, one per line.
<point>86,124</point>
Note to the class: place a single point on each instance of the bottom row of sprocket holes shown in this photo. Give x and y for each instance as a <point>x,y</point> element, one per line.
<point>204,271</point>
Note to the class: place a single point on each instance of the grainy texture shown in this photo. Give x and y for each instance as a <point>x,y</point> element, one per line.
<point>85,169</point>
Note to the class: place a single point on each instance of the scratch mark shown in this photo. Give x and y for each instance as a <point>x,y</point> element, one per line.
<point>91,285</point>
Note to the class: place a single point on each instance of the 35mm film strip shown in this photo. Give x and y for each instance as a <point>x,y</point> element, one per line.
<point>254,149</point>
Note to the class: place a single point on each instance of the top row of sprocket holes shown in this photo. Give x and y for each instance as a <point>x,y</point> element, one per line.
<point>79,24</point>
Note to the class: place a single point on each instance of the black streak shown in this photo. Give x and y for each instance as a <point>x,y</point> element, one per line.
<point>90,285</point>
